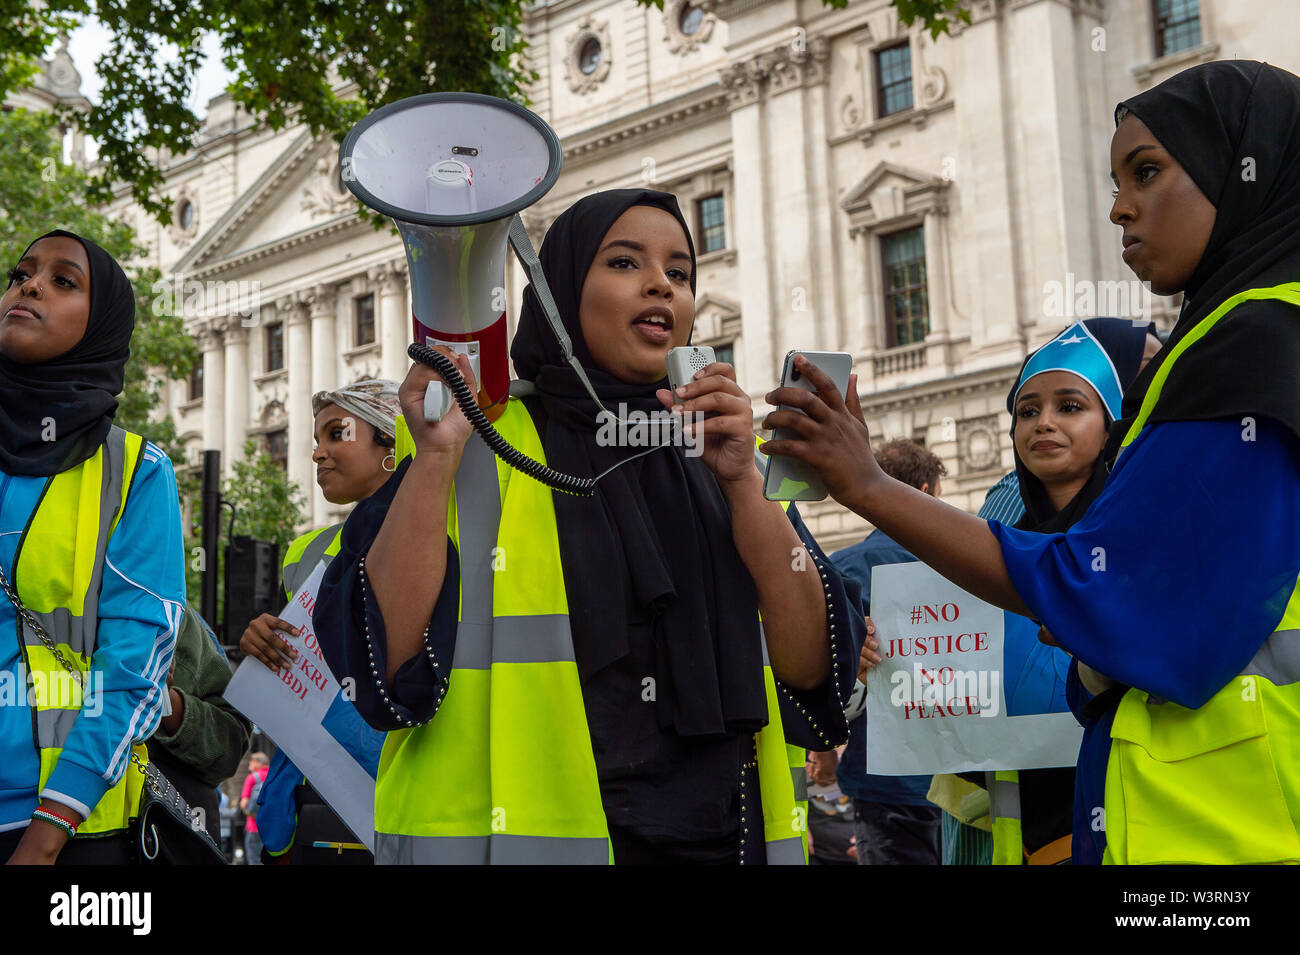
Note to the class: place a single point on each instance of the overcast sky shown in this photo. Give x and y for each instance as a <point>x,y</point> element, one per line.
<point>91,40</point>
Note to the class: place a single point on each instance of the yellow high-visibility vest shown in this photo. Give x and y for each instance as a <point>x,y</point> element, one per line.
<point>57,572</point>
<point>1219,783</point>
<point>305,552</point>
<point>505,773</point>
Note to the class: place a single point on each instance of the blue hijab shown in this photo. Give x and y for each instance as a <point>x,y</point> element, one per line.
<point>1104,352</point>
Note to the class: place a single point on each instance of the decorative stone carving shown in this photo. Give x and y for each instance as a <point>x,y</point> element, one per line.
<point>272,414</point>
<point>787,66</point>
<point>236,329</point>
<point>319,299</point>
<point>933,81</point>
<point>587,30</point>
<point>743,82</point>
<point>978,444</point>
<point>209,334</point>
<point>891,192</point>
<point>179,232</point>
<point>290,310</point>
<point>679,42</point>
<point>59,74</point>
<point>799,63</point>
<point>321,195</point>
<point>850,112</point>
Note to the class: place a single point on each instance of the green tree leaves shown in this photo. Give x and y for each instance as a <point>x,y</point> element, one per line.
<point>38,192</point>
<point>324,63</point>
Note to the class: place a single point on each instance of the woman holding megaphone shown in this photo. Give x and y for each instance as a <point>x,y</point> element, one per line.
<point>588,679</point>
<point>1190,598</point>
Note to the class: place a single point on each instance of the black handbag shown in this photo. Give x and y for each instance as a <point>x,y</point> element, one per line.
<point>164,832</point>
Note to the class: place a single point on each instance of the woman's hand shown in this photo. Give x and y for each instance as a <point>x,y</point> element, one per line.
<point>261,641</point>
<point>821,767</point>
<point>831,437</point>
<point>449,435</point>
<point>868,658</point>
<point>728,437</point>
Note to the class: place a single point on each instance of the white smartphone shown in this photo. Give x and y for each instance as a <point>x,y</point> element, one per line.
<point>684,362</point>
<point>787,478</point>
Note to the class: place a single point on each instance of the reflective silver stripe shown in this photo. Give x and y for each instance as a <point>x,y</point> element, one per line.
<point>500,849</point>
<point>785,852</point>
<point>478,516</point>
<point>544,638</point>
<point>1004,798</point>
<point>61,624</point>
<point>394,849</point>
<point>296,574</point>
<point>762,636</point>
<point>53,727</point>
<point>800,779</point>
<point>1278,660</point>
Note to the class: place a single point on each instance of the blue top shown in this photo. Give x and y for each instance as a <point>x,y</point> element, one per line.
<point>1003,502</point>
<point>277,813</point>
<point>1174,578</point>
<point>140,607</point>
<point>855,563</point>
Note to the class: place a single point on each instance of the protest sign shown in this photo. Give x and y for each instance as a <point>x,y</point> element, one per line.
<point>938,700</point>
<point>292,706</point>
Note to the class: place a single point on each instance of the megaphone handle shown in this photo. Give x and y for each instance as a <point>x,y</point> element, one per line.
<point>437,402</point>
<point>515,458</point>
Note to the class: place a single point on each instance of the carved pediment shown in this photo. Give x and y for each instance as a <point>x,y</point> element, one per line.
<point>891,192</point>
<point>716,318</point>
<point>297,193</point>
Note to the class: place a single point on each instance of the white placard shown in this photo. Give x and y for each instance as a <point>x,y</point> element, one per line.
<point>291,706</point>
<point>936,703</point>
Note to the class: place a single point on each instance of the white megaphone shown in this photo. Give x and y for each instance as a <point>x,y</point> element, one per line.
<point>452,170</point>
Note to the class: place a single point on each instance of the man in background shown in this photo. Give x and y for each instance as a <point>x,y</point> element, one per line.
<point>895,824</point>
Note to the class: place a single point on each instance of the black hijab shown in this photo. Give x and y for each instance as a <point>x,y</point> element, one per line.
<point>1235,127</point>
<point>653,546</point>
<point>1123,342</point>
<point>78,389</point>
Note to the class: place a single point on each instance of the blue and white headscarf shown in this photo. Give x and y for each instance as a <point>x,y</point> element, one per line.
<point>1104,352</point>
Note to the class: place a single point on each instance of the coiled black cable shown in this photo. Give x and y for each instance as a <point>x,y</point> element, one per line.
<point>568,483</point>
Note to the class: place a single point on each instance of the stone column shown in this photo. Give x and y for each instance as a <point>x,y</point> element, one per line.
<point>936,272</point>
<point>393,316</point>
<point>803,303</point>
<point>321,302</point>
<point>214,379</point>
<point>237,387</point>
<point>297,347</point>
<point>743,82</point>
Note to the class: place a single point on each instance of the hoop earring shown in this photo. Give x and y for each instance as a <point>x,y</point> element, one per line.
<point>384,463</point>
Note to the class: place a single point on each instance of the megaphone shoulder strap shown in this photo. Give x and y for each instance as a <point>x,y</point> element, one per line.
<point>527,256</point>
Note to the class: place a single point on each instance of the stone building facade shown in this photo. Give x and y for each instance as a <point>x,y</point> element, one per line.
<point>935,207</point>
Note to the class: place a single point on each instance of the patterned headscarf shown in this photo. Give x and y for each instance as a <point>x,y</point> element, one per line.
<point>373,400</point>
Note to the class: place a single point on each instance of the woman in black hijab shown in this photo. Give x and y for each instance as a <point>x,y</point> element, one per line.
<point>1192,602</point>
<point>77,389</point>
<point>664,568</point>
<point>66,320</point>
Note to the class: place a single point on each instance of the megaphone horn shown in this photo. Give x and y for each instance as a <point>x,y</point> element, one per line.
<point>452,170</point>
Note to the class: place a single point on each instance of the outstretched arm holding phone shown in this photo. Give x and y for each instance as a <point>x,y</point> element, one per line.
<point>835,441</point>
